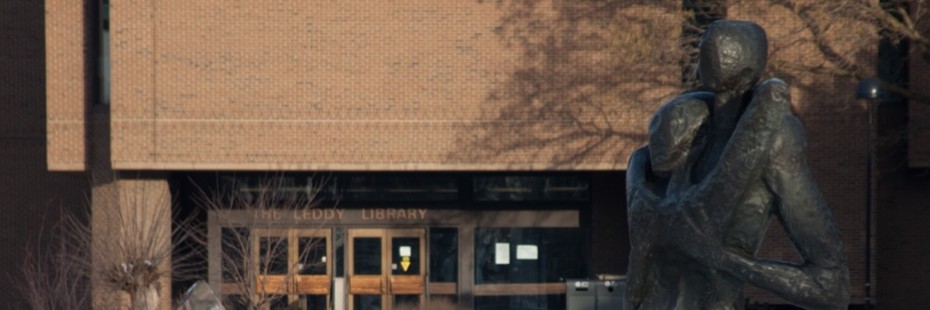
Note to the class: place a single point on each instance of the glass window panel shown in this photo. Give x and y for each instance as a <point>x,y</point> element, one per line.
<point>398,188</point>
<point>367,255</point>
<point>531,188</point>
<point>530,302</point>
<point>273,255</point>
<point>405,252</point>
<point>235,243</point>
<point>286,187</point>
<point>443,254</point>
<point>535,255</point>
<point>443,302</point>
<point>506,188</point>
<point>279,302</point>
<point>567,188</point>
<point>235,302</point>
<point>313,260</point>
<point>314,302</point>
<point>367,302</point>
<point>405,302</point>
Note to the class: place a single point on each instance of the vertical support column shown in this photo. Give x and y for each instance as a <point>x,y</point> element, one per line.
<point>131,241</point>
<point>466,279</point>
<point>215,253</point>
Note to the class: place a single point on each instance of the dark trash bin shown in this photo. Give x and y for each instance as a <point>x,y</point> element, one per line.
<point>579,294</point>
<point>609,294</point>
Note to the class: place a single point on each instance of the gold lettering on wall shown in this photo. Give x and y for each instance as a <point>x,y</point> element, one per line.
<point>393,214</point>
<point>318,214</point>
<point>339,215</point>
<point>301,215</point>
<point>268,214</point>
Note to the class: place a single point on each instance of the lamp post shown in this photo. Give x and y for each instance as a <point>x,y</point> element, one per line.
<point>871,90</point>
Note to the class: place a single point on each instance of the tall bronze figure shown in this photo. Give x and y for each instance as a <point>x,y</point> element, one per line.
<point>719,166</point>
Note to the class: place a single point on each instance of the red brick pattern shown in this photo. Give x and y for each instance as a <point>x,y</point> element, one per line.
<point>419,85</point>
<point>67,65</point>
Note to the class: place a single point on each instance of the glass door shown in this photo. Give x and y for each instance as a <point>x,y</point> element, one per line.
<point>386,268</point>
<point>294,268</point>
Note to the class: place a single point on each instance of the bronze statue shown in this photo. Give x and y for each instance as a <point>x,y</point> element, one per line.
<point>719,166</point>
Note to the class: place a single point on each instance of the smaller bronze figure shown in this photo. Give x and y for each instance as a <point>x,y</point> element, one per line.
<point>719,166</point>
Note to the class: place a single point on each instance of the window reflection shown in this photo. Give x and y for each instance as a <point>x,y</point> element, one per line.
<point>367,255</point>
<point>406,254</point>
<point>312,256</point>
<point>278,302</point>
<point>314,302</point>
<point>273,255</point>
<point>234,240</point>
<point>398,188</point>
<point>443,254</point>
<point>367,302</point>
<point>405,302</point>
<point>534,255</point>
<point>531,188</point>
<point>539,302</point>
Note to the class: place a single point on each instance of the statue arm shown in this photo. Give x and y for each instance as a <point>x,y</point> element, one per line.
<point>822,281</point>
<point>744,157</point>
<point>641,201</point>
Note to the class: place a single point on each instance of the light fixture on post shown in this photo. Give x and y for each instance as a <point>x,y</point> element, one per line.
<point>871,90</point>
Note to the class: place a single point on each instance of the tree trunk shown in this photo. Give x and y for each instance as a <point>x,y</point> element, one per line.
<point>145,298</point>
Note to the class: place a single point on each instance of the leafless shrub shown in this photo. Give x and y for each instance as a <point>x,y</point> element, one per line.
<point>131,239</point>
<point>54,272</point>
<point>123,248</point>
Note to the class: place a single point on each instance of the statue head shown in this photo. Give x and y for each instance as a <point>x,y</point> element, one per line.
<point>672,131</point>
<point>732,55</point>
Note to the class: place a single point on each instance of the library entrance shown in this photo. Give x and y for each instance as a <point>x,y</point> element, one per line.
<point>386,268</point>
<point>290,267</point>
<point>475,242</point>
<point>295,270</point>
<point>441,258</point>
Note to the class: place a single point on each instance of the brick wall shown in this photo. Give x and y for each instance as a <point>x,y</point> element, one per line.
<point>419,85</point>
<point>70,70</point>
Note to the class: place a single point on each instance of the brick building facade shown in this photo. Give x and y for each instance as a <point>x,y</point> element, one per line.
<point>415,88</point>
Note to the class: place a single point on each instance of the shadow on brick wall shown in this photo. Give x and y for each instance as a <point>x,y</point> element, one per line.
<point>589,76</point>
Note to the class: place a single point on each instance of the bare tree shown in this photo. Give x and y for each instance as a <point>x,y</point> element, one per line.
<point>255,254</point>
<point>845,34</point>
<point>54,270</point>
<point>124,248</point>
<point>130,235</point>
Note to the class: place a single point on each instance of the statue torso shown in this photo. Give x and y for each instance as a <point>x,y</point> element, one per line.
<point>700,287</point>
